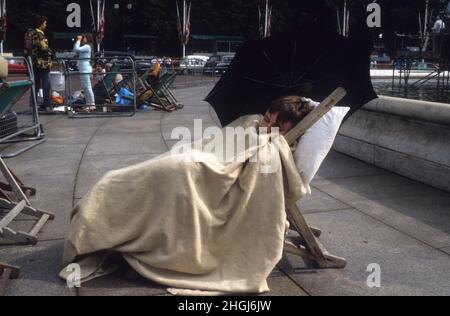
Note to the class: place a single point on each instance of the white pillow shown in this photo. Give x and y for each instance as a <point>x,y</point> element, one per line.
<point>315,145</point>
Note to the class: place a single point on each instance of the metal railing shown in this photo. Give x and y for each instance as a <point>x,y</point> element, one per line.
<point>22,134</point>
<point>122,64</point>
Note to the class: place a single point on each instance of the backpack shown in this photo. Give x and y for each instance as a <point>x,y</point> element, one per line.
<point>28,42</point>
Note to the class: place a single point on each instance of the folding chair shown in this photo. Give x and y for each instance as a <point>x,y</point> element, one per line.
<point>10,93</point>
<point>14,195</point>
<point>159,96</point>
<point>308,246</point>
<point>7,273</point>
<point>16,200</point>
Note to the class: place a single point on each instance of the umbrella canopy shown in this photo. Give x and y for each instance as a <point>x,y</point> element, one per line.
<point>311,62</point>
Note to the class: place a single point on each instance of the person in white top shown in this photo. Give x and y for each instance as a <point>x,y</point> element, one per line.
<point>83,46</point>
<point>437,29</point>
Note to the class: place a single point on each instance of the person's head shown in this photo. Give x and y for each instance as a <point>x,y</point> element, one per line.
<point>118,78</point>
<point>41,23</point>
<point>285,113</point>
<point>99,66</point>
<point>87,39</point>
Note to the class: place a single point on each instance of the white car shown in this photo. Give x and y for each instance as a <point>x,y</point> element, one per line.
<point>192,65</point>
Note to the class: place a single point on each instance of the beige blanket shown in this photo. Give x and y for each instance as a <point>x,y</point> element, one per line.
<point>191,221</point>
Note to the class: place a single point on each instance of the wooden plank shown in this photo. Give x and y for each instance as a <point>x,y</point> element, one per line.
<point>20,237</point>
<point>4,281</point>
<point>41,222</point>
<point>27,210</point>
<point>15,270</point>
<point>13,183</point>
<point>315,115</point>
<point>12,214</point>
<point>311,243</point>
<point>7,272</point>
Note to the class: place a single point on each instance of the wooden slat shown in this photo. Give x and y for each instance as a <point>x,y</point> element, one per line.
<point>15,270</point>
<point>12,214</point>
<point>12,182</point>
<point>37,228</point>
<point>315,115</point>
<point>311,242</point>
<point>4,280</point>
<point>20,237</point>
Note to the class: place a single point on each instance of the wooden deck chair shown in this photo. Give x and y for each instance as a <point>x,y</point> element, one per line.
<point>14,195</point>
<point>308,246</point>
<point>7,273</point>
<point>159,96</point>
<point>17,202</point>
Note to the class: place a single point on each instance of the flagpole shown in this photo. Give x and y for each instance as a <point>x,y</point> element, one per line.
<point>184,27</point>
<point>344,26</point>
<point>3,12</point>
<point>266,22</point>
<point>98,23</point>
<point>348,23</point>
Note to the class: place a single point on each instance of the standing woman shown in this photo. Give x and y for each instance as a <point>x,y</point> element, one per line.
<point>83,46</point>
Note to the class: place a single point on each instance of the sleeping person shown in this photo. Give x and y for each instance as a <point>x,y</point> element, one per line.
<point>192,220</point>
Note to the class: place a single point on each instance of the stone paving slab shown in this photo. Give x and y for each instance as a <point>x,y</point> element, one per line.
<point>408,267</point>
<point>341,166</point>
<point>320,202</point>
<point>40,266</point>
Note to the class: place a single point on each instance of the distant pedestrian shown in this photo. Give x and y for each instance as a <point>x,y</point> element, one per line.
<point>99,72</point>
<point>83,46</point>
<point>37,47</point>
<point>437,31</point>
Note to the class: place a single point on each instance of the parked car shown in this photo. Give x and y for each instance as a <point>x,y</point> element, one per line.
<point>17,67</point>
<point>192,65</point>
<point>218,64</point>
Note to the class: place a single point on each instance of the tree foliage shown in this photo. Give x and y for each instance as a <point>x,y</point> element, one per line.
<point>213,17</point>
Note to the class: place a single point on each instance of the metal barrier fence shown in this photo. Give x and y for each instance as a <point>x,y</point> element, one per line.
<point>106,106</point>
<point>19,115</point>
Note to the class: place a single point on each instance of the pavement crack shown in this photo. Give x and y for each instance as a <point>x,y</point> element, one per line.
<point>75,182</point>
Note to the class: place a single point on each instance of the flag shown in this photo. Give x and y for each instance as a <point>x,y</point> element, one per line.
<point>101,30</point>
<point>261,22</point>
<point>269,23</point>
<point>94,23</point>
<point>3,20</point>
<point>187,27</point>
<point>179,22</point>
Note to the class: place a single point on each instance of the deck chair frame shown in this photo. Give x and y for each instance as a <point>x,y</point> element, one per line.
<point>7,273</point>
<point>15,90</point>
<point>17,202</point>
<point>308,245</point>
<point>161,97</point>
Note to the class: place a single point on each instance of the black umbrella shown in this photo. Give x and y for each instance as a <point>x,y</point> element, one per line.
<point>311,62</point>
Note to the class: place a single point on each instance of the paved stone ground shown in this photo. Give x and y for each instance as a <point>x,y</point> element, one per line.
<point>367,215</point>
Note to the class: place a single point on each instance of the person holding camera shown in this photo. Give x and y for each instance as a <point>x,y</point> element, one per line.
<point>83,46</point>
